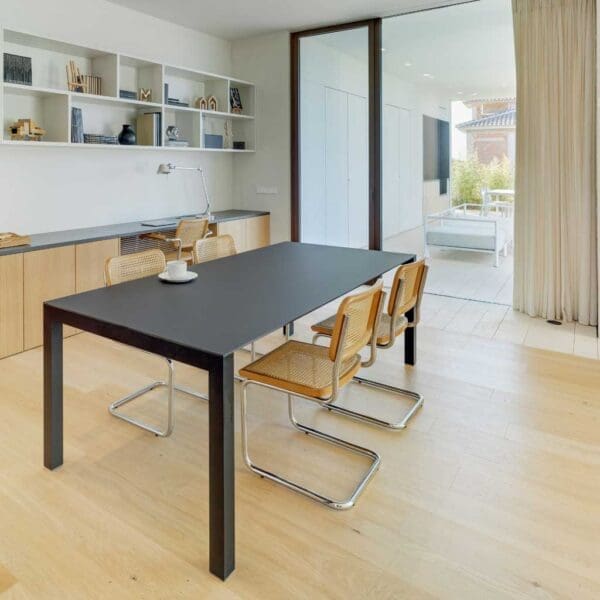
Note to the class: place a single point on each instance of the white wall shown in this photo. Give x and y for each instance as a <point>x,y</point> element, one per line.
<point>265,60</point>
<point>46,189</point>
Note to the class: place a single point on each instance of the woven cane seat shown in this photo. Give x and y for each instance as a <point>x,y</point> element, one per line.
<point>325,327</point>
<point>300,368</point>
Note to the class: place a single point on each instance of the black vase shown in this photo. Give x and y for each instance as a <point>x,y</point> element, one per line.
<point>127,136</point>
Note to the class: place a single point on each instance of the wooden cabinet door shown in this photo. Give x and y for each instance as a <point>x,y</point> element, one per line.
<point>48,274</point>
<point>258,232</point>
<point>237,230</point>
<point>89,263</point>
<point>11,304</point>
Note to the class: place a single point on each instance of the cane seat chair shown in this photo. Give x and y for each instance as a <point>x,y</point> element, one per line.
<point>188,232</point>
<point>129,267</point>
<point>405,296</point>
<point>316,373</point>
<point>212,248</point>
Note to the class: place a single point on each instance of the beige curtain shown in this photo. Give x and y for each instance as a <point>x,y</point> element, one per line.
<point>555,212</point>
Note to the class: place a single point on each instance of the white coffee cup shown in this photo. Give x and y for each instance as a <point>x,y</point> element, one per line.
<point>177,269</point>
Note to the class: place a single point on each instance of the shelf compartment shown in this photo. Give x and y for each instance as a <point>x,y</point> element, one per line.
<point>232,130</point>
<point>104,118</point>
<point>188,86</point>
<point>135,73</point>
<point>188,123</point>
<point>247,93</point>
<point>49,109</point>
<point>49,59</point>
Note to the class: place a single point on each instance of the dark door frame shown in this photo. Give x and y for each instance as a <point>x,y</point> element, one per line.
<point>375,124</point>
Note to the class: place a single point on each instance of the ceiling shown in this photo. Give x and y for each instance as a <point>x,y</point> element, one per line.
<point>462,52</point>
<point>234,19</point>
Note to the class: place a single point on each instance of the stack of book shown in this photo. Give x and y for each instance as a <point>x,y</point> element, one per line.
<point>76,126</point>
<point>177,143</point>
<point>176,102</point>
<point>149,129</point>
<point>94,138</point>
<point>127,95</point>
<point>92,84</point>
<point>17,69</point>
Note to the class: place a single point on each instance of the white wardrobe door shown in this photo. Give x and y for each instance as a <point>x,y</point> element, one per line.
<point>312,159</point>
<point>336,167</point>
<point>391,161</point>
<point>358,172</point>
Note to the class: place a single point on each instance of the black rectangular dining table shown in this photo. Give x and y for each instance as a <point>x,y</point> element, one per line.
<point>233,301</point>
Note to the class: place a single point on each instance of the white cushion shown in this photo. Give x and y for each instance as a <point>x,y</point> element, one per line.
<point>475,234</point>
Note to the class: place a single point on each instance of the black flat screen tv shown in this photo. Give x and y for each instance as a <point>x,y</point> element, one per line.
<point>436,151</point>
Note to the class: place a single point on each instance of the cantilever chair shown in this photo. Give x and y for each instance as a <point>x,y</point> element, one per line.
<point>316,373</point>
<point>127,268</point>
<point>188,232</point>
<point>212,248</point>
<point>406,294</point>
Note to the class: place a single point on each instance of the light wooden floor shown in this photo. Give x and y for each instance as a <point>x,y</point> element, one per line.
<point>492,492</point>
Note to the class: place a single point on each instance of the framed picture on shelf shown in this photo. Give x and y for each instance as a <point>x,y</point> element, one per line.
<point>235,100</point>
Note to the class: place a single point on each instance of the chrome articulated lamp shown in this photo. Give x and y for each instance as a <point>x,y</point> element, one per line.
<point>168,168</point>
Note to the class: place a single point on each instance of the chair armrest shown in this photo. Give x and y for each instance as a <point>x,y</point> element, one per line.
<point>154,236</point>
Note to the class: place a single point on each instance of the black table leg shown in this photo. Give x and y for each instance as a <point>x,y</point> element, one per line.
<point>410,340</point>
<point>222,466</point>
<point>53,391</point>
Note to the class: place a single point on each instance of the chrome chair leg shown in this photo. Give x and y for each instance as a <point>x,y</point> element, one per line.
<point>329,502</point>
<point>394,425</point>
<point>171,387</point>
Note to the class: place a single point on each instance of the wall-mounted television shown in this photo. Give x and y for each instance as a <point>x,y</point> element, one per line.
<point>436,151</point>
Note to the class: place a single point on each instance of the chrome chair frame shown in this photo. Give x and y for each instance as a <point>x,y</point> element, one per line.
<point>415,397</point>
<point>343,504</point>
<point>171,388</point>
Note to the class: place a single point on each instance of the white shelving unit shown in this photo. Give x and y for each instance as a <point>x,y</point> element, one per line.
<point>49,102</point>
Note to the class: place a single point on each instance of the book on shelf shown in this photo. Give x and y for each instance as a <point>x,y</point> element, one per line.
<point>176,102</point>
<point>95,138</point>
<point>127,95</point>
<point>76,125</point>
<point>177,143</point>
<point>17,69</point>
<point>149,129</point>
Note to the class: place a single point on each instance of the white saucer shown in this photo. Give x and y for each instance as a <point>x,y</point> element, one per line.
<point>189,276</point>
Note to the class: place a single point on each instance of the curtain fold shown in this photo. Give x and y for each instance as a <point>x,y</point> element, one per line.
<point>555,172</point>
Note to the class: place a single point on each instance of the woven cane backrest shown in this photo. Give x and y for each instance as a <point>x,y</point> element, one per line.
<point>134,266</point>
<point>407,288</point>
<point>358,314</point>
<point>191,230</point>
<point>214,247</point>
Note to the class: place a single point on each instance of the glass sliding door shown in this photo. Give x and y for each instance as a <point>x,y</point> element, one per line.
<point>334,185</point>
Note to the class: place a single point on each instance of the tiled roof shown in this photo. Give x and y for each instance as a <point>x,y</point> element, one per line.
<point>502,120</point>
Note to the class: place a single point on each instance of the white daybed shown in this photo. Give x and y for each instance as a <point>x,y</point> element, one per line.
<point>472,227</point>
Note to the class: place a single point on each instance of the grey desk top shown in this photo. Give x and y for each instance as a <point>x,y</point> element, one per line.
<point>234,300</point>
<point>41,241</point>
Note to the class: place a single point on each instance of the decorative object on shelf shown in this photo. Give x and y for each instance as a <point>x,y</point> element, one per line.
<point>213,103</point>
<point>95,138</point>
<point>172,133</point>
<point>212,140</point>
<point>168,168</point>
<point>200,103</point>
<point>239,145</point>
<point>17,69</point>
<point>75,82</point>
<point>93,84</point>
<point>228,137</point>
<point>235,100</point>
<point>26,130</point>
<point>127,95</point>
<point>76,125</point>
<point>165,92</point>
<point>127,136</point>
<point>173,140</point>
<point>145,95</point>
<point>9,239</point>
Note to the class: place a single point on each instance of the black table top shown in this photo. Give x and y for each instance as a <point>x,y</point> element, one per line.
<point>234,300</point>
<point>53,239</point>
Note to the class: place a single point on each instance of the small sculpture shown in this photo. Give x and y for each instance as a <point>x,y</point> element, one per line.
<point>26,130</point>
<point>145,95</point>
